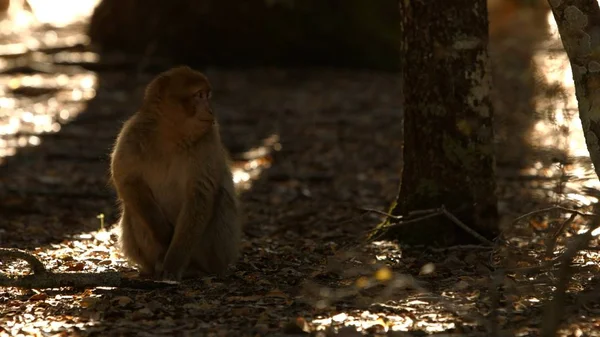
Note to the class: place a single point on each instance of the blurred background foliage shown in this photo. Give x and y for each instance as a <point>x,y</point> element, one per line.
<point>344,33</point>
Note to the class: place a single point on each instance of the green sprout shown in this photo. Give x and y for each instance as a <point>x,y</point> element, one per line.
<point>101,217</point>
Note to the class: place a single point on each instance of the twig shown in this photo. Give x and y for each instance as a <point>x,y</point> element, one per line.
<point>395,217</point>
<point>553,208</point>
<point>497,281</point>
<point>465,227</point>
<point>400,217</point>
<point>533,269</point>
<point>563,226</point>
<point>42,278</point>
<point>462,247</point>
<point>402,223</point>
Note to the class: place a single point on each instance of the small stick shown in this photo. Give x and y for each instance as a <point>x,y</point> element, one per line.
<point>465,227</point>
<point>402,223</point>
<point>563,226</point>
<point>400,217</point>
<point>553,208</point>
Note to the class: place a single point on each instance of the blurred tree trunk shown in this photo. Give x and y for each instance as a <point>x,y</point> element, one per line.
<point>578,23</point>
<point>252,32</point>
<point>448,137</point>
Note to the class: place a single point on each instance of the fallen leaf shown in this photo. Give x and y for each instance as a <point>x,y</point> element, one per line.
<point>38,297</point>
<point>276,293</point>
<point>244,298</point>
<point>122,300</point>
<point>89,302</point>
<point>383,274</point>
<point>79,266</point>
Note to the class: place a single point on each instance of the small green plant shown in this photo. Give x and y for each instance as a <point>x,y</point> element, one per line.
<point>101,217</point>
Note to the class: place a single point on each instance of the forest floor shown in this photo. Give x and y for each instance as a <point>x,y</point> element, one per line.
<point>314,148</point>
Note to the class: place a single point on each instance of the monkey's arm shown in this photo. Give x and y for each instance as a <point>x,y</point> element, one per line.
<point>138,199</point>
<point>195,215</point>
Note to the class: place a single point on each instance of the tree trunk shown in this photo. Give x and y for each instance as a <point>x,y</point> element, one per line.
<point>578,23</point>
<point>448,136</point>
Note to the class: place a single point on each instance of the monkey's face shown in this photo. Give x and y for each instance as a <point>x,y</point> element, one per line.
<point>194,112</point>
<point>187,103</point>
<point>198,106</point>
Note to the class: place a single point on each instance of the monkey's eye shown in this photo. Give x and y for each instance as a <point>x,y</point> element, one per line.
<point>201,94</point>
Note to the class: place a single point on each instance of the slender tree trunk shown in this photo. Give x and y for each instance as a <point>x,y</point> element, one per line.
<point>578,23</point>
<point>448,136</point>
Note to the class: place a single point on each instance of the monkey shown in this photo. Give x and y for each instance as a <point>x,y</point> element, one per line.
<point>179,210</point>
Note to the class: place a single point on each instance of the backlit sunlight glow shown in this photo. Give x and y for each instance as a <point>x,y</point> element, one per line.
<point>60,13</point>
<point>257,159</point>
<point>554,69</point>
<point>244,172</point>
<point>57,13</point>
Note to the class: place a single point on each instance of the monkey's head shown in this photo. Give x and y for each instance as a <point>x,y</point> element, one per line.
<point>181,96</point>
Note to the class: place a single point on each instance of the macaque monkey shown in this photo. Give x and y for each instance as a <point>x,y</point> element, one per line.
<point>171,173</point>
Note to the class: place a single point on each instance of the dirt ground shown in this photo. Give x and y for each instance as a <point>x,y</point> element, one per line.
<point>314,148</point>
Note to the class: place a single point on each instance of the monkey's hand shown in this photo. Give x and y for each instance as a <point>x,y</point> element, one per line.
<point>172,268</point>
<point>192,221</point>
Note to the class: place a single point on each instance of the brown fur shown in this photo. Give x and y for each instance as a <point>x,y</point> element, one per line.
<point>180,212</point>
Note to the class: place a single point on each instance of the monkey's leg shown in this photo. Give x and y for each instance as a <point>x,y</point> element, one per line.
<point>146,212</point>
<point>128,241</point>
<point>219,245</point>
<point>139,245</point>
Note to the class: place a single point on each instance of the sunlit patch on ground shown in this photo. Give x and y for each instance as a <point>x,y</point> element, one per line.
<point>255,161</point>
<point>41,102</point>
<point>381,322</point>
<point>35,104</point>
<point>560,127</point>
<point>34,313</point>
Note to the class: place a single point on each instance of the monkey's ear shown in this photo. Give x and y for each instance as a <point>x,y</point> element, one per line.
<point>157,88</point>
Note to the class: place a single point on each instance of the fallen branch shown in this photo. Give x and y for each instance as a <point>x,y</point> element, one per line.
<point>36,265</point>
<point>42,278</point>
<point>426,214</point>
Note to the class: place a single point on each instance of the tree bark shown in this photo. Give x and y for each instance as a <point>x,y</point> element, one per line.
<point>578,23</point>
<point>448,138</point>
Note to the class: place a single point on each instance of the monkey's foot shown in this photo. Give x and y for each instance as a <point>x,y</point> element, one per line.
<point>194,274</point>
<point>149,273</point>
